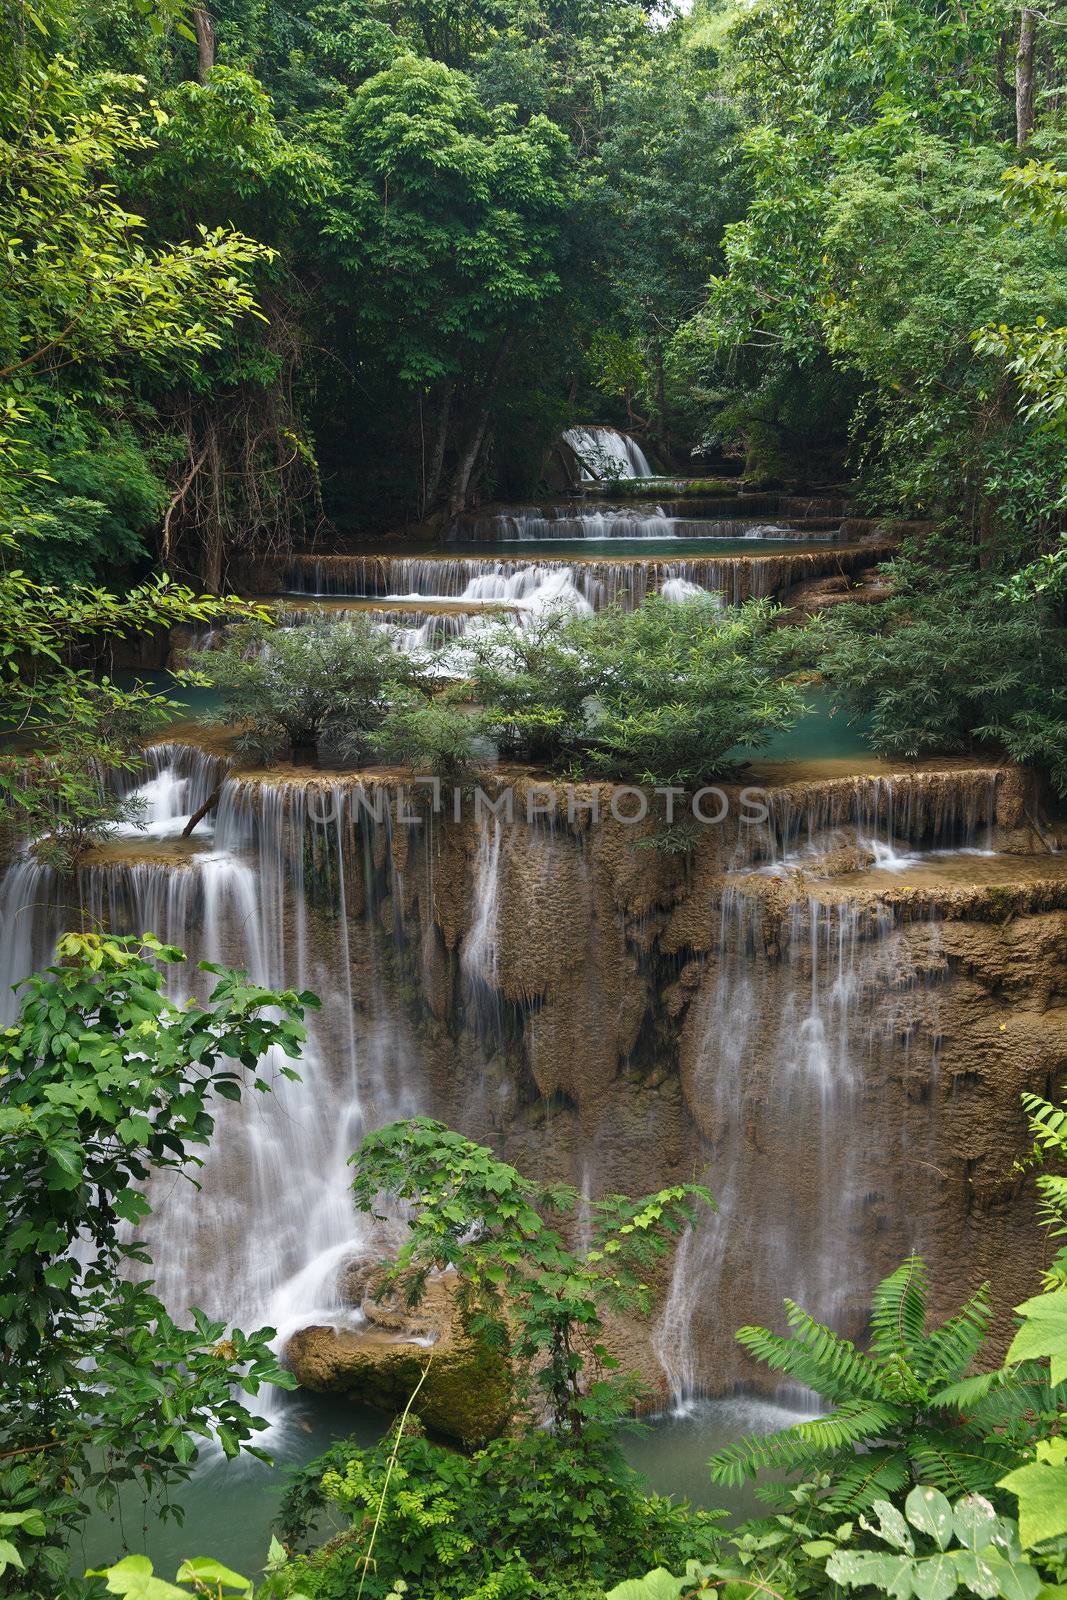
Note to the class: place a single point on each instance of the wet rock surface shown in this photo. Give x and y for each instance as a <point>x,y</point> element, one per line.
<point>464,1388</point>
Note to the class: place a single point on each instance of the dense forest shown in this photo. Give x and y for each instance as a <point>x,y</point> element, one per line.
<point>280,279</point>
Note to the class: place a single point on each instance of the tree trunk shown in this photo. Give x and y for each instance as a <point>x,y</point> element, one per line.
<point>1024,76</point>
<point>457,498</point>
<point>437,450</point>
<point>205,42</point>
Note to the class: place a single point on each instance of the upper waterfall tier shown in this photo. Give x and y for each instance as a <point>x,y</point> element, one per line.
<point>605,453</point>
<point>598,581</point>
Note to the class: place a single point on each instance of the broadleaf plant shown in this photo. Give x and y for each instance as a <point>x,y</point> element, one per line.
<point>104,1081</point>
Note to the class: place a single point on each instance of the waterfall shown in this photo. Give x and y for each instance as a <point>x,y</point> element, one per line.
<point>783,1049</point>
<point>267,1235</point>
<point>474,581</point>
<point>572,1000</point>
<point>604,453</point>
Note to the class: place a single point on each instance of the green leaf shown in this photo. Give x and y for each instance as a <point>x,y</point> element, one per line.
<point>1016,1580</point>
<point>891,1574</point>
<point>133,1576</point>
<point>1044,1333</point>
<point>201,1569</point>
<point>974,1521</point>
<point>657,1585</point>
<point>929,1511</point>
<point>935,1578</point>
<point>1041,1489</point>
<point>976,1573</point>
<point>890,1526</point>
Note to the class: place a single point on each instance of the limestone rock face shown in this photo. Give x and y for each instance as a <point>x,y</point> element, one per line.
<point>465,1395</point>
<point>838,1051</point>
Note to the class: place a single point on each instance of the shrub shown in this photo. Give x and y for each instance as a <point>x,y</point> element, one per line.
<point>103,1083</point>
<point>659,695</point>
<point>950,663</point>
<point>535,1516</point>
<point>325,684</point>
<point>433,737</point>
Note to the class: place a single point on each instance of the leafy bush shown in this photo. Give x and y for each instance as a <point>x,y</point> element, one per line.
<point>67,798</point>
<point>433,737</point>
<point>658,695</point>
<point>950,663</point>
<point>966,1546</point>
<point>323,685</point>
<point>934,1550</point>
<point>103,1082</point>
<point>533,1516</point>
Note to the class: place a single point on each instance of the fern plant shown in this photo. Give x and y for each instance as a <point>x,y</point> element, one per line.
<point>902,1411</point>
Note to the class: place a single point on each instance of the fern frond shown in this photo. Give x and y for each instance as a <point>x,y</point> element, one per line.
<point>958,1464</point>
<point>816,1357</point>
<point>948,1351</point>
<point>855,1422</point>
<point>1048,1123</point>
<point>1053,1191</point>
<point>1021,1410</point>
<point>736,1463</point>
<point>877,1475</point>
<point>969,1392</point>
<point>898,1313</point>
<point>806,1443</point>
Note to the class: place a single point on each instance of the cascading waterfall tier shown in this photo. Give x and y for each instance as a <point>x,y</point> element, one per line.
<point>598,583</point>
<point>742,517</point>
<point>832,1056</point>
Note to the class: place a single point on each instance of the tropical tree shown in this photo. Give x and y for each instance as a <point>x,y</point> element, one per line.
<point>521,1287</point>
<point>105,1082</point>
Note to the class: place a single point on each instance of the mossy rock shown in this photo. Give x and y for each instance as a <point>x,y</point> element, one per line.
<point>466,1394</point>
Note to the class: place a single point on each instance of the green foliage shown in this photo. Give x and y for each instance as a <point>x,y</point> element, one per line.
<point>1041,1482</point>
<point>972,1548</point>
<point>447,214</point>
<point>434,738</point>
<point>103,1082</point>
<point>134,1576</point>
<point>538,1515</point>
<point>903,1411</point>
<point>325,684</point>
<point>658,695</point>
<point>83,730</point>
<point>521,1287</point>
<point>950,663</point>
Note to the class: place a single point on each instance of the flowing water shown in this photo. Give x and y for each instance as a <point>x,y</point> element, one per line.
<point>542,985</point>
<point>604,453</point>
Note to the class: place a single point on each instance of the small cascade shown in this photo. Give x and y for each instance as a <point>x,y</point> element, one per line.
<point>604,453</point>
<point>181,778</point>
<point>785,1049</point>
<point>475,580</point>
<point>740,518</point>
<point>885,816</point>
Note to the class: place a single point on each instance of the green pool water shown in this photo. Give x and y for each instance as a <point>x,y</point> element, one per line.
<point>826,732</point>
<point>230,1506</point>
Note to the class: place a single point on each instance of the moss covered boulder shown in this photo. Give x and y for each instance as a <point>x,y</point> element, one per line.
<point>467,1391</point>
